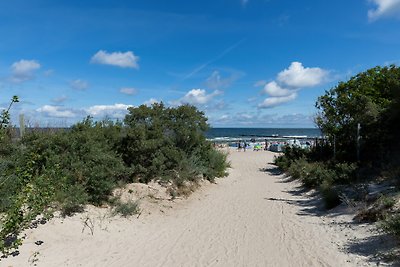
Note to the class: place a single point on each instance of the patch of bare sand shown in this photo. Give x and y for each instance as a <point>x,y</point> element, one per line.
<point>253,217</point>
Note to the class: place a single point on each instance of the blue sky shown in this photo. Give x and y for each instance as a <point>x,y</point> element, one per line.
<point>254,63</point>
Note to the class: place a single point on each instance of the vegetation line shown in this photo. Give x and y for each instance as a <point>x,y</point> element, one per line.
<point>64,170</point>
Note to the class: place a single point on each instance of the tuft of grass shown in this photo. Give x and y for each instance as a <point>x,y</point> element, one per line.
<point>126,209</point>
<point>391,225</point>
<point>330,195</point>
<point>386,202</point>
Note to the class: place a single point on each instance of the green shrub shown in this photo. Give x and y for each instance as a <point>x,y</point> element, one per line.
<point>316,174</point>
<point>71,198</point>
<point>386,202</point>
<point>291,154</point>
<point>217,163</point>
<point>169,144</point>
<point>84,155</point>
<point>330,195</point>
<point>392,225</point>
<point>298,169</point>
<point>282,162</point>
<point>344,172</point>
<point>126,209</point>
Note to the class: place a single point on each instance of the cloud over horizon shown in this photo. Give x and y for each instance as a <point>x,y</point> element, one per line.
<point>57,111</point>
<point>113,111</point>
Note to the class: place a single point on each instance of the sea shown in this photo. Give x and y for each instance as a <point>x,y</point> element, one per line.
<point>260,134</point>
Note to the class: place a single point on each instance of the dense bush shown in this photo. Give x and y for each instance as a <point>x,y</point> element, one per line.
<point>291,154</point>
<point>330,195</point>
<point>84,155</point>
<point>371,98</point>
<point>392,225</point>
<point>169,144</point>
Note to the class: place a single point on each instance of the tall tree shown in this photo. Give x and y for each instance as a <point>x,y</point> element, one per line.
<point>370,98</point>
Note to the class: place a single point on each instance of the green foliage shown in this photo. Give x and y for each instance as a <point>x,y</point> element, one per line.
<point>330,194</point>
<point>298,168</point>
<point>5,114</point>
<point>344,172</point>
<point>392,225</point>
<point>65,170</point>
<point>33,197</point>
<point>217,163</point>
<point>169,144</point>
<point>291,154</point>
<point>316,174</point>
<point>5,129</point>
<point>126,209</point>
<point>371,98</point>
<point>85,156</point>
<point>386,202</point>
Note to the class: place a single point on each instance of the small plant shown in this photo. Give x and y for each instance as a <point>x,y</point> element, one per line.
<point>392,225</point>
<point>5,114</point>
<point>345,172</point>
<point>330,195</point>
<point>298,168</point>
<point>386,202</point>
<point>126,209</point>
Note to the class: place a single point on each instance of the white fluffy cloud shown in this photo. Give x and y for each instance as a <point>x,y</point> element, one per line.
<point>128,90</point>
<point>289,82</point>
<point>113,111</point>
<point>119,59</point>
<point>23,70</point>
<point>116,111</point>
<point>79,84</point>
<point>198,97</point>
<point>273,89</point>
<point>56,111</point>
<point>275,101</point>
<point>296,76</point>
<point>384,8</point>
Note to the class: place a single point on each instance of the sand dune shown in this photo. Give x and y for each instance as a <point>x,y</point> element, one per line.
<point>250,218</point>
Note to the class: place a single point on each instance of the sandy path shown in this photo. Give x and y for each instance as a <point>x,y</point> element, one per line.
<point>247,219</point>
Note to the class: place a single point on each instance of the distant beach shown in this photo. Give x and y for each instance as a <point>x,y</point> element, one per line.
<point>260,134</point>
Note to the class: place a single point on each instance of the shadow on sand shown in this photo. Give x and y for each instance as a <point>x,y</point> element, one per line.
<point>375,247</point>
<point>272,170</point>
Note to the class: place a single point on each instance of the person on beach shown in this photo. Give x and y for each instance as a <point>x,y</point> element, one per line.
<point>244,146</point>
<point>266,144</point>
<point>239,146</point>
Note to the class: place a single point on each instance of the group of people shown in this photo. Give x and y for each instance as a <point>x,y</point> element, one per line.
<point>242,145</point>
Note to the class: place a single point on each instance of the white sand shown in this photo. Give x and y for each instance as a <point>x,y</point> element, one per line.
<point>250,218</point>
